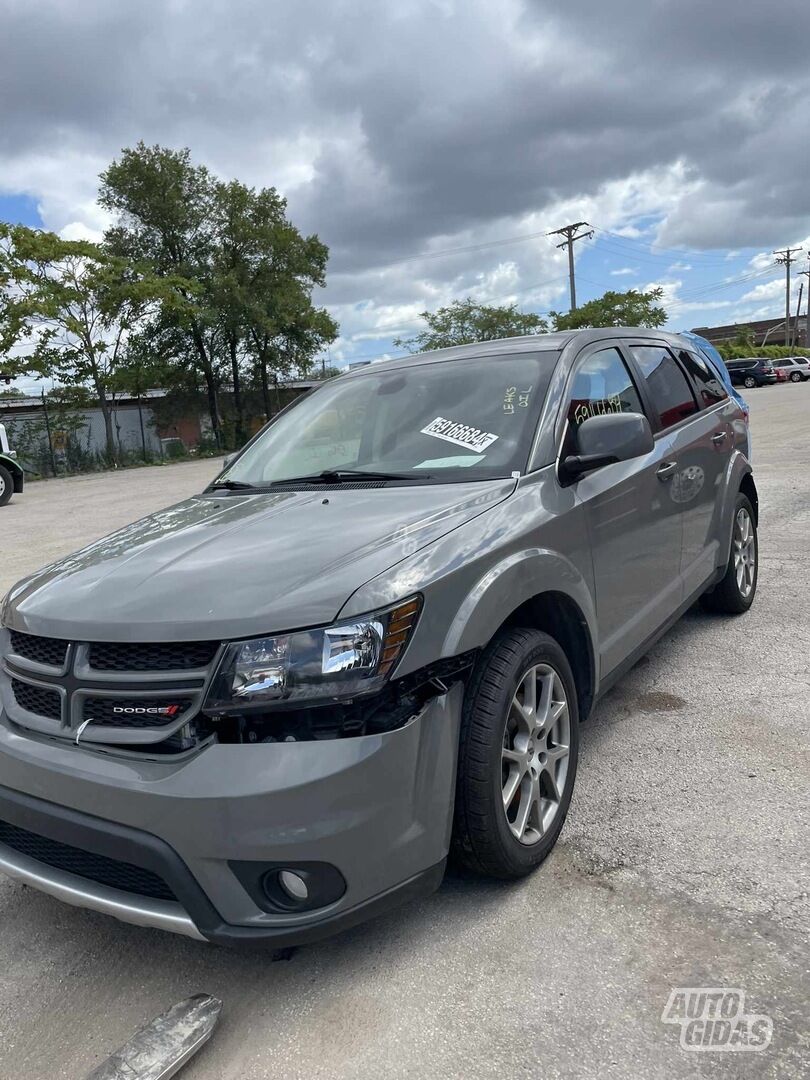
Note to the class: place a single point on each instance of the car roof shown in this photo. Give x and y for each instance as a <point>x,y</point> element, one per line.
<point>553,342</point>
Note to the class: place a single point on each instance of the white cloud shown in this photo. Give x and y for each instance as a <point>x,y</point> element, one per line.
<point>624,271</point>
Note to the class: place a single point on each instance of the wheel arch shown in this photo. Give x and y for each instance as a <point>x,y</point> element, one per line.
<point>749,489</point>
<point>559,616</point>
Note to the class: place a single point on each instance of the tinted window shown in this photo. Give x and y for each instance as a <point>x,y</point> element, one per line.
<point>781,363</point>
<point>666,383</point>
<point>710,388</point>
<point>464,419</point>
<point>602,384</point>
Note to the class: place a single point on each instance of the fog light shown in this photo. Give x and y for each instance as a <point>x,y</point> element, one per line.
<point>293,885</point>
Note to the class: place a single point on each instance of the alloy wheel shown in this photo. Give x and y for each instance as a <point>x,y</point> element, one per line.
<point>535,753</point>
<point>749,382</point>
<point>795,377</point>
<point>745,552</point>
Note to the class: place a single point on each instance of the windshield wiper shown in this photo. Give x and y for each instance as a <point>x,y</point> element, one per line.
<point>337,476</point>
<point>234,485</point>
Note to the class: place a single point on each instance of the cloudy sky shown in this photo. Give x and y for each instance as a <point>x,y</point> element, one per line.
<point>433,143</point>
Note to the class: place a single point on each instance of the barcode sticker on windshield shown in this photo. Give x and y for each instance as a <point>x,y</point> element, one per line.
<point>470,438</point>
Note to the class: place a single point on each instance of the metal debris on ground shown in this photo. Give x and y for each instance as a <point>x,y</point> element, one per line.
<point>162,1047</point>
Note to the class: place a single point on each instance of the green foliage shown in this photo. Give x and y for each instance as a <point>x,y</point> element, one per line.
<point>464,322</point>
<point>70,305</point>
<point>241,305</point>
<point>631,308</point>
<point>744,338</point>
<point>734,351</point>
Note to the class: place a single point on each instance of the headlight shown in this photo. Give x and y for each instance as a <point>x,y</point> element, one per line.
<point>313,666</point>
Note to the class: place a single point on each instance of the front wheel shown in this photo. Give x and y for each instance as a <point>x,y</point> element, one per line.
<point>750,382</point>
<point>6,486</point>
<point>735,593</point>
<point>796,377</point>
<point>517,755</point>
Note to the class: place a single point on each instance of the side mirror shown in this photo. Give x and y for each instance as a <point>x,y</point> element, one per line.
<point>604,440</point>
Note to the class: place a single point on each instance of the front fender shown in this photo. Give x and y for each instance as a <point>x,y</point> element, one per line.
<point>509,584</point>
<point>476,576</point>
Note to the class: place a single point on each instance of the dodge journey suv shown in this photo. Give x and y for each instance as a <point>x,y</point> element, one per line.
<point>277,708</point>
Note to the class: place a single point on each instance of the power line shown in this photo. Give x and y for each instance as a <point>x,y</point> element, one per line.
<point>426,255</point>
<point>666,253</point>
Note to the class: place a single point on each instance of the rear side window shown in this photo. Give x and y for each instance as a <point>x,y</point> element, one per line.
<point>602,384</point>
<point>710,388</point>
<point>666,383</point>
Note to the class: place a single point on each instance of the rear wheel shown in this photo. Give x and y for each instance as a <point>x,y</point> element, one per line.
<point>749,381</point>
<point>735,593</point>
<point>6,486</point>
<point>517,755</point>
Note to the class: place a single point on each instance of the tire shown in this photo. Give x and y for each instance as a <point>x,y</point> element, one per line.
<point>497,720</point>
<point>6,486</point>
<point>796,377</point>
<point>750,382</point>
<point>728,596</point>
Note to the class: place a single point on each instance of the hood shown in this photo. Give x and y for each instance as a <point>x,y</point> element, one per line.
<point>228,566</point>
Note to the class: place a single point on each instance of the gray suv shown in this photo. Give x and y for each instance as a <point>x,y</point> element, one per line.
<point>275,709</point>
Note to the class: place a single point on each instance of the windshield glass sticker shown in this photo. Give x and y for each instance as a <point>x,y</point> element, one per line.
<point>470,438</point>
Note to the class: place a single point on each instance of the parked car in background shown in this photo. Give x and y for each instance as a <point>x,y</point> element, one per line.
<point>11,473</point>
<point>752,372</point>
<point>795,368</point>
<point>781,374</point>
<point>273,710</point>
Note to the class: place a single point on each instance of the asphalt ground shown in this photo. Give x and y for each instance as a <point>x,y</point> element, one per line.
<point>683,863</point>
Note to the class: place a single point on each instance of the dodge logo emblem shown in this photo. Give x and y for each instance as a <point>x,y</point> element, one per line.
<point>143,710</point>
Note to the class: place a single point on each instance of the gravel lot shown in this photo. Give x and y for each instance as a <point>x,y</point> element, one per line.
<point>684,862</point>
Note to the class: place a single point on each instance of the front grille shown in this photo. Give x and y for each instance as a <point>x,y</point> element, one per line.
<point>156,656</point>
<point>37,699</point>
<point>42,650</point>
<point>102,711</point>
<point>98,868</point>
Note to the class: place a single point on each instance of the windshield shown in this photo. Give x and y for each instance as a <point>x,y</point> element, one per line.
<point>464,419</point>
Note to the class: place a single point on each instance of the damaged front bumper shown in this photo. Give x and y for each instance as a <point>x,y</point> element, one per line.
<point>185,845</point>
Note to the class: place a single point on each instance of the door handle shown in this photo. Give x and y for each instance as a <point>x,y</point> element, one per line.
<point>721,436</point>
<point>666,470</point>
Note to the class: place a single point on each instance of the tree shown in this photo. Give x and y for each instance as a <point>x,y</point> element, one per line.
<point>744,337</point>
<point>164,208</point>
<point>631,308</point>
<point>265,273</point>
<point>464,322</point>
<point>246,273</point>
<point>71,305</point>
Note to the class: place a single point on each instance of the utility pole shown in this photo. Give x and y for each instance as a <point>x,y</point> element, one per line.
<point>806,274</point>
<point>798,313</point>
<point>571,234</point>
<point>785,258</point>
